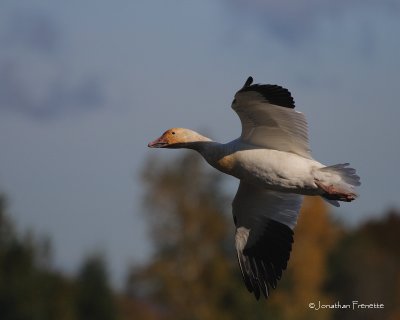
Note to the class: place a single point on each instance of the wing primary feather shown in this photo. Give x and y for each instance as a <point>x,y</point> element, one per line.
<point>263,261</point>
<point>245,276</point>
<point>272,93</point>
<point>248,82</point>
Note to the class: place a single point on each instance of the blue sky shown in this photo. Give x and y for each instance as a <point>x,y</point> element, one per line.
<point>84,86</point>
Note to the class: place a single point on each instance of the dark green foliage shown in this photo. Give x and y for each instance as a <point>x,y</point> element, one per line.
<point>95,300</point>
<point>30,290</point>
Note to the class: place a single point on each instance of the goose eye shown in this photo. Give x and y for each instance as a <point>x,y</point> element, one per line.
<point>173,132</point>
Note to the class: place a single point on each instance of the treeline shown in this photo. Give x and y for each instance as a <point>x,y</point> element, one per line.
<point>193,273</point>
<point>31,290</point>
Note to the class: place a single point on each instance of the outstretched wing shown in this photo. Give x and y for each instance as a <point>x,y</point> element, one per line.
<point>269,119</point>
<point>264,222</point>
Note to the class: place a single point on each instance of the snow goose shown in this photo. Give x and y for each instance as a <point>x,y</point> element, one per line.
<point>273,162</point>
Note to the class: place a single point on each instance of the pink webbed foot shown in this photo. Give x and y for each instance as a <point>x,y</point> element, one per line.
<point>332,193</point>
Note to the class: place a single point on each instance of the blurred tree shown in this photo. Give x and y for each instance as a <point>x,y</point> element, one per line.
<point>95,299</point>
<point>130,308</point>
<point>28,289</point>
<point>366,268</point>
<point>191,274</point>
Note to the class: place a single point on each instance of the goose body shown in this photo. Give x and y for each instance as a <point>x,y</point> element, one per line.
<point>273,163</point>
<point>266,168</point>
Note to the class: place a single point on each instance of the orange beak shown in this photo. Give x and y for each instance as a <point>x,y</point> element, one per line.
<point>158,143</point>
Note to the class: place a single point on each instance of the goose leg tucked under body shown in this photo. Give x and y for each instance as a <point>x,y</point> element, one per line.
<point>273,162</point>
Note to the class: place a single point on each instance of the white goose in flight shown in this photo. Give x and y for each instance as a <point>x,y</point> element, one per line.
<point>273,162</point>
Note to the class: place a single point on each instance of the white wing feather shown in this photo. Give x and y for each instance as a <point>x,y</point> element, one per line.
<point>252,204</point>
<point>271,126</point>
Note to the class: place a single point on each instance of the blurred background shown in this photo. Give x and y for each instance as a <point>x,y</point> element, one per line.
<point>93,225</point>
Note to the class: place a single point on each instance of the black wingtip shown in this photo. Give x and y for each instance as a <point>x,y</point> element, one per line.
<point>267,257</point>
<point>248,82</point>
<point>272,93</point>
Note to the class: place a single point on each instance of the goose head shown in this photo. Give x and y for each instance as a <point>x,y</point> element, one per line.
<point>178,138</point>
